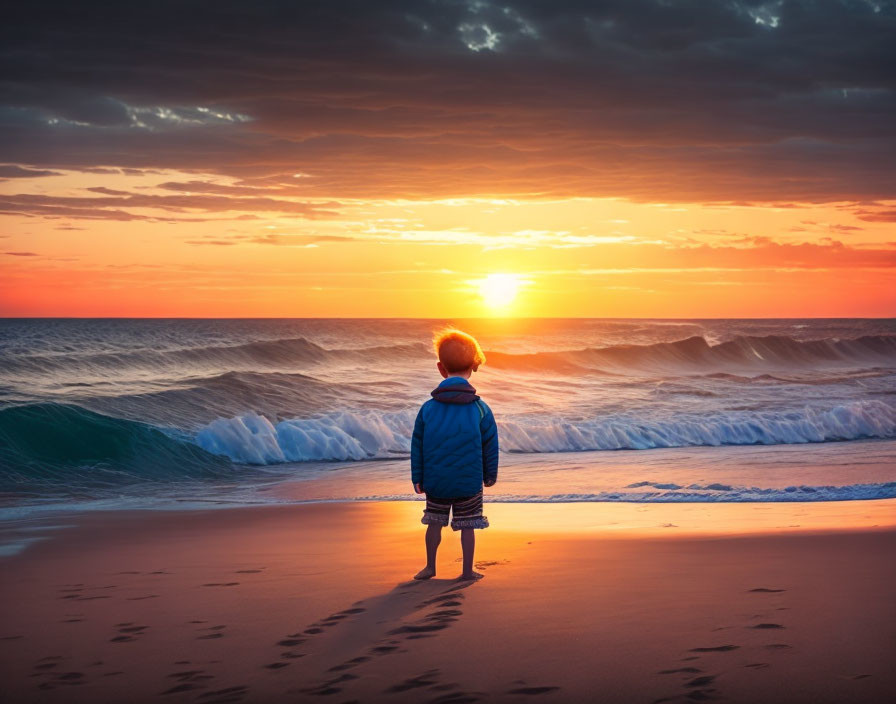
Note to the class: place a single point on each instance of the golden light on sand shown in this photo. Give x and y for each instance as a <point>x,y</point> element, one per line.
<point>499,290</point>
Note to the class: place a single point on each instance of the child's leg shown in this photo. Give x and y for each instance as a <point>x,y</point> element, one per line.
<point>468,543</point>
<point>433,538</point>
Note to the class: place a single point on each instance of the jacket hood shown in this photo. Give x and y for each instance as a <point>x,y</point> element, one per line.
<point>455,390</point>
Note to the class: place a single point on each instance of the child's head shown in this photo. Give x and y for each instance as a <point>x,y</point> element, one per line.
<point>459,353</point>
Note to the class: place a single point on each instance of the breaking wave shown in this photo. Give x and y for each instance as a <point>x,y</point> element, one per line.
<point>61,444</point>
<point>254,439</point>
<point>66,446</point>
<point>695,353</point>
<point>292,352</point>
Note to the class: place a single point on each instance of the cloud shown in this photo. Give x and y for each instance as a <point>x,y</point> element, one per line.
<point>109,206</point>
<point>22,254</point>
<point>678,101</point>
<point>876,216</point>
<point>14,171</point>
<point>277,239</point>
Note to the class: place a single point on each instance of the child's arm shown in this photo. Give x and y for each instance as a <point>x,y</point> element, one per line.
<point>417,453</point>
<point>489,430</point>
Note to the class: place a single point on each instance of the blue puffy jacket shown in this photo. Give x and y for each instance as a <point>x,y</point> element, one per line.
<point>454,448</point>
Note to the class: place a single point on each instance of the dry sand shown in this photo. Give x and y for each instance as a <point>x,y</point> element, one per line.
<point>586,602</point>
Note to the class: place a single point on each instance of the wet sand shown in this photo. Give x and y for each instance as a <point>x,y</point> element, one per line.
<point>583,602</point>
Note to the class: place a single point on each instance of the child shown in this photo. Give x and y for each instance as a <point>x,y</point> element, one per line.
<point>454,451</point>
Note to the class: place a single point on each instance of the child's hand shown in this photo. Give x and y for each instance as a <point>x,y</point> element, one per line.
<point>418,488</point>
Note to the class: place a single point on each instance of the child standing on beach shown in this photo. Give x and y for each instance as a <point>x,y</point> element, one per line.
<point>454,451</point>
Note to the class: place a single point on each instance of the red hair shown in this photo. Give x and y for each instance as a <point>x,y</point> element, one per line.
<point>457,351</point>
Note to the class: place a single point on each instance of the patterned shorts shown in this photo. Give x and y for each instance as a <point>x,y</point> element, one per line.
<point>466,512</point>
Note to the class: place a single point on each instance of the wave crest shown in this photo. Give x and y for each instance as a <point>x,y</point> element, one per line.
<point>69,446</point>
<point>358,435</point>
<point>695,353</point>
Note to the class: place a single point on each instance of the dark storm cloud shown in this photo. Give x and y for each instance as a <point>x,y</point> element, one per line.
<point>648,99</point>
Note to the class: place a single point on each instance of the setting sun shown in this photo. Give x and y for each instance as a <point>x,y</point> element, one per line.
<point>499,290</point>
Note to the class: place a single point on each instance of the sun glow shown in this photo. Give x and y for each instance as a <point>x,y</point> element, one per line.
<point>499,290</point>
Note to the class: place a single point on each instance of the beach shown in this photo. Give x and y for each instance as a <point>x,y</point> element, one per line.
<point>771,602</point>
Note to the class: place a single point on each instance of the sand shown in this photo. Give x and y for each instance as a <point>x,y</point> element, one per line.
<point>583,602</point>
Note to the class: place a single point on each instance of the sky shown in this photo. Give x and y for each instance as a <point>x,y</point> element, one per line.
<point>448,158</point>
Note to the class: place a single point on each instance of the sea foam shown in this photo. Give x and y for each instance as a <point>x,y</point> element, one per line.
<point>254,439</point>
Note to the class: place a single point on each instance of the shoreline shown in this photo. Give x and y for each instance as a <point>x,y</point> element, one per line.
<point>262,603</point>
<point>621,518</point>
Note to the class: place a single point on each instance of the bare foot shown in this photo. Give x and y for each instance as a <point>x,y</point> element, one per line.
<point>425,573</point>
<point>470,577</point>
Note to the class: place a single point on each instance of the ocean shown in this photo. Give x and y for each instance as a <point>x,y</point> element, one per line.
<point>135,413</point>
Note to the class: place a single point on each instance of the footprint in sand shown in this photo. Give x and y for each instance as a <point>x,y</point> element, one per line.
<point>61,679</point>
<point>131,629</point>
<point>455,698</point>
<point>716,649</point>
<point>215,632</point>
<point>177,689</point>
<point>700,681</point>
<point>427,679</point>
<point>290,642</point>
<point>767,625</point>
<point>766,590</point>
<point>127,633</point>
<point>348,664</point>
<point>443,600</point>
<point>224,696</point>
<point>326,688</point>
<point>422,628</point>
<point>189,679</point>
<point>383,649</point>
<point>294,639</point>
<point>533,690</point>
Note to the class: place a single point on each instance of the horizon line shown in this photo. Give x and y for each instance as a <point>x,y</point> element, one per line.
<point>496,318</point>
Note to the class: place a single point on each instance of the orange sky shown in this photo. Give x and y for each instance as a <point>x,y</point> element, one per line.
<point>422,258</point>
